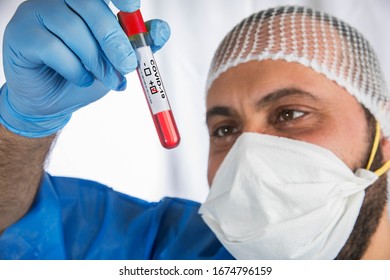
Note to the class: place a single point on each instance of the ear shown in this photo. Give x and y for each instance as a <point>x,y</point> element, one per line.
<point>385,143</point>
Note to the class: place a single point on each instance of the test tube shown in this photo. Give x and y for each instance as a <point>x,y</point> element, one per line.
<point>150,78</point>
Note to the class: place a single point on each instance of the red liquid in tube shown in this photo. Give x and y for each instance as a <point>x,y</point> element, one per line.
<point>166,129</point>
<point>150,78</point>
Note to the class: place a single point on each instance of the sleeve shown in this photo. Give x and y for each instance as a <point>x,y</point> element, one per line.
<point>80,219</point>
<point>188,237</point>
<point>39,233</point>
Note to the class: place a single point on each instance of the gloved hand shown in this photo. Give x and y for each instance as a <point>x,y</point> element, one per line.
<point>60,55</point>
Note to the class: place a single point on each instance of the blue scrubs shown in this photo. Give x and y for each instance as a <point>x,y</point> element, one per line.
<point>79,219</point>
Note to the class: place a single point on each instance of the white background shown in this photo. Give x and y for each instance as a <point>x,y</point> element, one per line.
<point>113,141</point>
<point>281,269</point>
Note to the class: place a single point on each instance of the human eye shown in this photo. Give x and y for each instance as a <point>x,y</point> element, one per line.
<point>223,135</point>
<point>224,131</point>
<point>286,115</point>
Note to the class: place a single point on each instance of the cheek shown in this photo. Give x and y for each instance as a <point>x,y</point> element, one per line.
<point>352,148</point>
<point>354,142</point>
<point>346,139</point>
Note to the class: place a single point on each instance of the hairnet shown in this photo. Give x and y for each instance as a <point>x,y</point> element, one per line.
<point>314,39</point>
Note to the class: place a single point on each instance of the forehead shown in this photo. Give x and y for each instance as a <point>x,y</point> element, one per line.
<point>249,81</point>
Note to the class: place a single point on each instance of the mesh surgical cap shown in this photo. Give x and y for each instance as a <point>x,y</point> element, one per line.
<point>314,39</point>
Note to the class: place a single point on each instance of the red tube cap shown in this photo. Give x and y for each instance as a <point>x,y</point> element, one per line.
<point>132,23</point>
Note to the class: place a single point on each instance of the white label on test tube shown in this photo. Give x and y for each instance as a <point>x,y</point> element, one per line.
<point>151,80</point>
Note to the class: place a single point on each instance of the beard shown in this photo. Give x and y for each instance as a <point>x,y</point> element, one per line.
<point>371,212</point>
<point>367,222</point>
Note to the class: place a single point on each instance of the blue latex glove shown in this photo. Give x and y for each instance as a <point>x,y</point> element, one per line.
<point>60,55</point>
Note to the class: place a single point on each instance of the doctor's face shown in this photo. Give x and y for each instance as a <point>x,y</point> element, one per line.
<point>288,100</point>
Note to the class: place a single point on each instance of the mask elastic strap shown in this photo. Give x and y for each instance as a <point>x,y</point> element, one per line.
<point>375,145</point>
<point>385,167</point>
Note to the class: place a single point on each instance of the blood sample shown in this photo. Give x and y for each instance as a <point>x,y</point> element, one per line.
<point>150,78</point>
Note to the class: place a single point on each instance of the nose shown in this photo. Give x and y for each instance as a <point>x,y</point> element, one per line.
<point>256,126</point>
<point>260,126</point>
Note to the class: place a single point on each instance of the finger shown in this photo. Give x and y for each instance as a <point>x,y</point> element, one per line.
<point>160,32</point>
<point>33,45</point>
<point>108,33</point>
<point>73,31</point>
<point>125,5</point>
<point>51,51</point>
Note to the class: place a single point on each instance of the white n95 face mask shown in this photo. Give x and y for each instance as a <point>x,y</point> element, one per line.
<point>277,198</point>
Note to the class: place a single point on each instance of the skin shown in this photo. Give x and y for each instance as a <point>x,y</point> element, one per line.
<point>289,100</point>
<point>17,189</point>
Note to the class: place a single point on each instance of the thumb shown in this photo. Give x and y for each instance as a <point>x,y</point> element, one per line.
<point>125,5</point>
<point>159,31</point>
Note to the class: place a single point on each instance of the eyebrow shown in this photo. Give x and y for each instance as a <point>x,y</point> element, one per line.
<point>263,102</point>
<point>281,93</point>
<point>219,111</point>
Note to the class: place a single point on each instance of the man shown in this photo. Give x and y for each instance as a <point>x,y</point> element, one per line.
<point>268,77</point>
<point>295,73</point>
